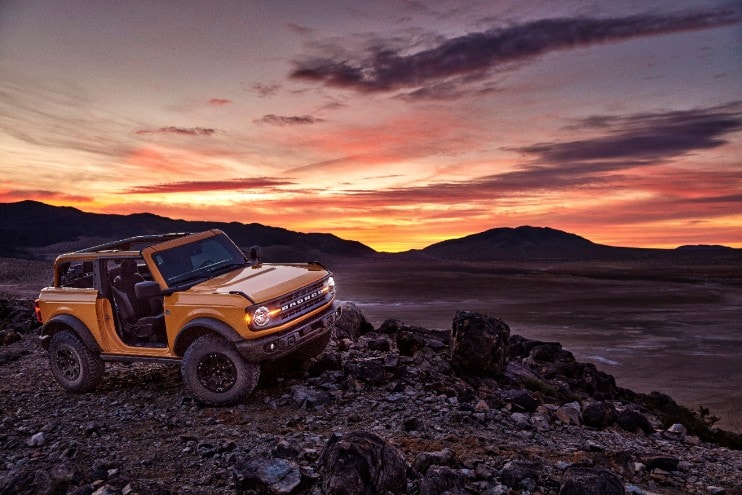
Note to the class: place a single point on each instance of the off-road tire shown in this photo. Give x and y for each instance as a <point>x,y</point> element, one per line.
<point>74,366</point>
<point>216,374</point>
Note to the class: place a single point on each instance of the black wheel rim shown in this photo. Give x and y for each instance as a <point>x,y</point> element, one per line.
<point>68,364</point>
<point>216,372</point>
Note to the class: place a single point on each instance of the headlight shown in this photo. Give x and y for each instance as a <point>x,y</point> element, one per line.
<point>261,316</point>
<point>331,284</point>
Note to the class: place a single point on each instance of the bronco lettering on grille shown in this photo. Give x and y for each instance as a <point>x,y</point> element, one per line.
<point>302,300</point>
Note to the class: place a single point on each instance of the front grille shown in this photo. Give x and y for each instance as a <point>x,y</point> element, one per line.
<point>303,301</point>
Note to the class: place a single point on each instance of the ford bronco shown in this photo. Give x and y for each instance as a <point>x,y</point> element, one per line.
<point>191,299</point>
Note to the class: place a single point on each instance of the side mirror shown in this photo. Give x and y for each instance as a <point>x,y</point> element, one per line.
<point>255,254</point>
<point>147,289</point>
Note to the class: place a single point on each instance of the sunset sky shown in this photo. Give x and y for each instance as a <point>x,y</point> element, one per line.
<point>394,123</point>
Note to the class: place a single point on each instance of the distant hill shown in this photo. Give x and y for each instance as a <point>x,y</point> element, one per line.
<point>30,229</point>
<point>704,247</point>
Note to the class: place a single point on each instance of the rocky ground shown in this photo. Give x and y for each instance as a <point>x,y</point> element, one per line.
<point>394,409</point>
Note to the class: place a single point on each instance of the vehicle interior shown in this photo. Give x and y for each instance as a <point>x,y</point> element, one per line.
<point>141,321</point>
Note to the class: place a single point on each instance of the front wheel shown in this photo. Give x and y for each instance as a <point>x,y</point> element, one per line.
<point>216,373</point>
<point>74,366</point>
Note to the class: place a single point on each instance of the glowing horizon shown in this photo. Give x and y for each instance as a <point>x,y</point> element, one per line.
<point>378,241</point>
<point>618,123</point>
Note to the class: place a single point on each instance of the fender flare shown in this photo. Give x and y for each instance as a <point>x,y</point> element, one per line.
<point>60,322</point>
<point>201,326</point>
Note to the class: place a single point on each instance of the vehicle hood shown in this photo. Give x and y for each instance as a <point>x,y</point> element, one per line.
<point>264,282</point>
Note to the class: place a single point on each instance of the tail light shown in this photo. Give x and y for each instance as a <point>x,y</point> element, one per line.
<point>37,310</point>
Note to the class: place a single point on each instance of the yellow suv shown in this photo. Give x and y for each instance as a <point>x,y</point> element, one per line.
<point>191,299</point>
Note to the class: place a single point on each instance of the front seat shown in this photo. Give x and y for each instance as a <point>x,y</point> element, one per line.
<point>125,281</point>
<point>135,314</point>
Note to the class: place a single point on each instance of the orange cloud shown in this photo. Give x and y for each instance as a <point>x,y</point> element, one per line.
<point>156,161</point>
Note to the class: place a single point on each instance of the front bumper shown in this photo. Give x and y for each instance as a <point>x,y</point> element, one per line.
<point>275,346</point>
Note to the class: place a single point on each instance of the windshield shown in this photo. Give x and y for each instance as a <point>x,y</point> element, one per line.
<point>200,259</point>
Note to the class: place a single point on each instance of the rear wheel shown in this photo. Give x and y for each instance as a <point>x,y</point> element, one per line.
<point>216,373</point>
<point>74,366</point>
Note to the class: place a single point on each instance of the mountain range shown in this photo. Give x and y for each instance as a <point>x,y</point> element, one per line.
<point>30,229</point>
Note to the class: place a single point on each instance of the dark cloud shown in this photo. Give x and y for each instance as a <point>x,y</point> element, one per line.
<point>280,120</point>
<point>644,138</point>
<point>726,199</point>
<point>185,131</point>
<point>475,55</point>
<point>299,28</point>
<point>209,185</point>
<point>265,90</point>
<point>219,102</point>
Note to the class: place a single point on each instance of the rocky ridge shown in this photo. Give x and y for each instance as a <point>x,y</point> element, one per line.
<point>394,409</point>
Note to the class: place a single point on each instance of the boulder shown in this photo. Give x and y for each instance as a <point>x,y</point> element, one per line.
<point>361,463</point>
<point>8,337</point>
<point>584,480</point>
<point>351,324</point>
<point>18,316</point>
<point>391,326</point>
<point>634,421</point>
<point>479,344</point>
<point>599,414</point>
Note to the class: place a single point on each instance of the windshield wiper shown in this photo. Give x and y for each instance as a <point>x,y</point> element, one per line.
<point>218,268</point>
<point>192,280</point>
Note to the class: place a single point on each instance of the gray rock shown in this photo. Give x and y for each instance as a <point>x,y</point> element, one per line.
<point>369,370</point>
<point>266,476</point>
<point>37,440</point>
<point>26,482</point>
<point>677,430</point>
<point>106,490</point>
<point>425,460</point>
<point>517,473</point>
<point>309,397</point>
<point>568,415</point>
<point>440,480</point>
